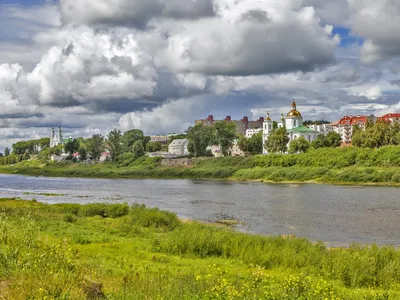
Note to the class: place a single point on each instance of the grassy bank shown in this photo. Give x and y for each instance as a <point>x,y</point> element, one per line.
<point>342,166</point>
<point>114,251</point>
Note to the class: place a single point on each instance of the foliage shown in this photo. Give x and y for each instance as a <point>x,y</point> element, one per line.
<point>153,146</point>
<point>114,143</point>
<point>130,137</point>
<point>331,140</point>
<point>82,153</point>
<point>138,148</point>
<point>377,135</point>
<point>299,145</point>
<point>225,134</point>
<point>200,137</point>
<point>71,146</point>
<point>317,122</point>
<point>71,251</point>
<point>6,151</point>
<point>277,141</point>
<point>252,145</point>
<point>95,145</point>
<point>32,146</point>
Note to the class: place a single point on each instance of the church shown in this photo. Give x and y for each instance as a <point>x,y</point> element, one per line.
<point>57,139</point>
<point>293,122</point>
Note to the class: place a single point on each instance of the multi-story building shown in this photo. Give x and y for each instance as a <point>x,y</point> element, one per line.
<point>159,138</point>
<point>345,126</point>
<point>321,128</point>
<point>252,131</point>
<point>241,125</point>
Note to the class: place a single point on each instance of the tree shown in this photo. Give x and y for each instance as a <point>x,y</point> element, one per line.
<point>300,145</point>
<point>255,143</point>
<point>277,141</point>
<point>82,153</point>
<point>225,134</point>
<point>95,145</point>
<point>274,125</point>
<point>319,142</point>
<point>130,137</point>
<point>243,143</point>
<point>153,146</point>
<point>200,137</point>
<point>333,140</point>
<point>71,146</point>
<point>6,152</point>
<point>114,142</point>
<point>138,148</point>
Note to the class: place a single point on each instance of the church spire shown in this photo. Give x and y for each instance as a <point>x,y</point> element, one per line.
<point>293,105</point>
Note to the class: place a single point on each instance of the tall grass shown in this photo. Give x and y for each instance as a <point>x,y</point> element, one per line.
<point>115,251</point>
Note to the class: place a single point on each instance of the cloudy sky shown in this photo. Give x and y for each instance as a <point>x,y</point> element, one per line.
<point>90,66</point>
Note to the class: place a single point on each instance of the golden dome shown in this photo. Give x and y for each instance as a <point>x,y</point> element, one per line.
<point>294,112</point>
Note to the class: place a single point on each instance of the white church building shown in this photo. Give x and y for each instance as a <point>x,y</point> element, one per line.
<point>293,122</point>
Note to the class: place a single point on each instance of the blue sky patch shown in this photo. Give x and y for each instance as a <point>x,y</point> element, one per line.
<point>347,39</point>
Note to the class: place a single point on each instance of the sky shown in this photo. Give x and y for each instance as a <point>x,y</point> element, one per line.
<point>92,66</point>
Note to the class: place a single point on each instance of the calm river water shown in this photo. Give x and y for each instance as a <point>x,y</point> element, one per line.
<point>337,215</point>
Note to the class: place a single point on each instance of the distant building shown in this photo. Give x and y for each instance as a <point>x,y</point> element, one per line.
<point>241,125</point>
<point>234,150</point>
<point>321,128</point>
<point>179,147</point>
<point>390,117</point>
<point>57,139</point>
<point>345,126</point>
<point>252,131</point>
<point>293,123</point>
<point>105,156</point>
<point>159,138</point>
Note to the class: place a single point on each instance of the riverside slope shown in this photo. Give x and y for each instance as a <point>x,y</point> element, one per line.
<point>349,165</point>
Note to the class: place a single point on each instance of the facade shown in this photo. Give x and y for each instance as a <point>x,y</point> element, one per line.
<point>345,126</point>
<point>159,138</point>
<point>241,125</point>
<point>251,132</point>
<point>235,150</point>
<point>293,122</point>
<point>322,128</point>
<point>179,147</point>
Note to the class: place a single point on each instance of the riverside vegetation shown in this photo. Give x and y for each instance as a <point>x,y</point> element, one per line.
<point>350,165</point>
<point>116,251</point>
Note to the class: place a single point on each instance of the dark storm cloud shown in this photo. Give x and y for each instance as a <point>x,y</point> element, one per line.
<point>133,13</point>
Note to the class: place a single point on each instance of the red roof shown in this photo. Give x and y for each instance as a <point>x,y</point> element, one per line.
<point>76,154</point>
<point>353,120</point>
<point>105,153</point>
<point>389,117</point>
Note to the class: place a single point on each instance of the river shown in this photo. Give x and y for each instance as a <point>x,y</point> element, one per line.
<point>337,215</point>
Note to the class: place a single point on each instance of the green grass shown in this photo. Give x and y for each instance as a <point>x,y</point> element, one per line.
<point>340,166</point>
<point>116,251</point>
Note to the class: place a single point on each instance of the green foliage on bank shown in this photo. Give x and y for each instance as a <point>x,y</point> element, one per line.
<point>331,165</point>
<point>116,251</point>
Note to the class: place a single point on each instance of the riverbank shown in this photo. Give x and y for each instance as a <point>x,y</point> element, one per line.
<point>335,166</point>
<point>116,251</point>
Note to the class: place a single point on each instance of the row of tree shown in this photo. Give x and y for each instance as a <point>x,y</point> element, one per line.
<point>376,134</point>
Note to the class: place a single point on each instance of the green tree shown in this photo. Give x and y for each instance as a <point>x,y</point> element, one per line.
<point>200,137</point>
<point>138,148</point>
<point>225,135</point>
<point>153,146</point>
<point>95,145</point>
<point>256,144</point>
<point>243,143</point>
<point>6,151</point>
<point>277,141</point>
<point>300,145</point>
<point>82,153</point>
<point>319,142</point>
<point>130,137</point>
<point>71,146</point>
<point>114,142</point>
<point>274,125</point>
<point>333,140</point>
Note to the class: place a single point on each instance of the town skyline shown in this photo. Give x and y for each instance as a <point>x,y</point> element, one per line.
<point>162,66</point>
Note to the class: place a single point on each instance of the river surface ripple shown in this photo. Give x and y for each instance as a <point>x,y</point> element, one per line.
<point>337,215</point>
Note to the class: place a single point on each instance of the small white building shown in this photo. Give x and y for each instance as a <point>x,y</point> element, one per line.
<point>321,129</point>
<point>252,131</point>
<point>159,138</point>
<point>179,147</point>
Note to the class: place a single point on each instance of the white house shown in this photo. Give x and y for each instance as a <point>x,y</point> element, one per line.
<point>252,131</point>
<point>321,129</point>
<point>293,122</point>
<point>178,147</point>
